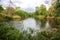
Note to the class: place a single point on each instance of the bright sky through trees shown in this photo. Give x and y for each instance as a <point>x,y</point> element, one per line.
<point>28,5</point>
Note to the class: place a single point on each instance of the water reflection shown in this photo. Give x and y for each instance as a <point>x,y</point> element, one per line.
<point>32,23</point>
<point>52,22</point>
<point>43,24</point>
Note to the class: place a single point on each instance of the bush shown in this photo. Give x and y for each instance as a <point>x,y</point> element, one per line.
<point>7,32</point>
<point>53,34</point>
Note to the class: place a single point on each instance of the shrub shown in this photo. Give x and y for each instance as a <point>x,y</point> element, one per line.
<point>7,32</point>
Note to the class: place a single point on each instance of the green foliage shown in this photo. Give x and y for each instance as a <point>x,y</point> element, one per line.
<point>21,13</point>
<point>5,17</point>
<point>58,21</point>
<point>54,12</point>
<point>53,34</point>
<point>7,32</point>
<point>41,10</point>
<point>54,9</point>
<point>9,11</point>
<point>1,8</point>
<point>40,36</point>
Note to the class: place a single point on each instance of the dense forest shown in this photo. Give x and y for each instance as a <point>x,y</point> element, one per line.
<point>7,32</point>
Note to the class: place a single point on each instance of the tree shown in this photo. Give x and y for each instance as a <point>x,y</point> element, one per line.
<point>1,8</point>
<point>22,13</point>
<point>56,7</point>
<point>51,11</point>
<point>9,11</point>
<point>54,11</point>
<point>41,10</point>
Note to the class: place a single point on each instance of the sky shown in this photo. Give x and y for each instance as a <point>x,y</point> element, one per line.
<point>27,5</point>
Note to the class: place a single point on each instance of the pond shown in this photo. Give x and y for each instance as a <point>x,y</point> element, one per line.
<point>31,23</point>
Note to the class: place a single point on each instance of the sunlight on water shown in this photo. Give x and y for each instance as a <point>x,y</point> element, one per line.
<point>30,23</point>
<point>47,25</point>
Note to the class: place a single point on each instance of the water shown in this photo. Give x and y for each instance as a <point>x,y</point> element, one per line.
<point>31,23</point>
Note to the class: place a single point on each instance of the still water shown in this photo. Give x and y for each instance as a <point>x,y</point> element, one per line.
<point>32,23</point>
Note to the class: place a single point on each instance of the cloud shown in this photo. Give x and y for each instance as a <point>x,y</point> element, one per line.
<point>25,4</point>
<point>29,9</point>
